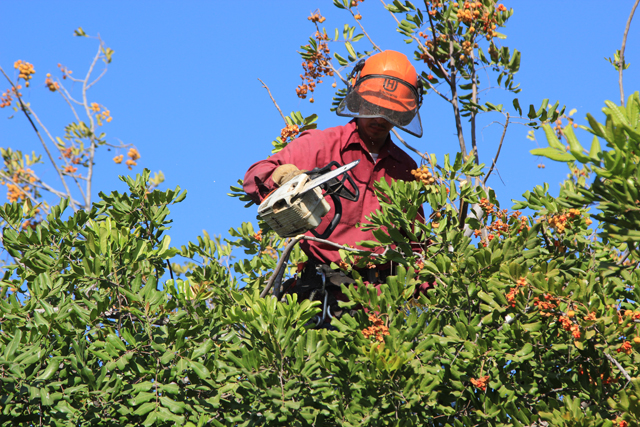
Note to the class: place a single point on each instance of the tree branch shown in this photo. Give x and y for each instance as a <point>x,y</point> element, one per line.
<point>274,101</point>
<point>495,159</point>
<point>474,110</point>
<point>624,43</point>
<point>615,362</point>
<point>92,138</point>
<point>26,110</point>
<point>375,46</point>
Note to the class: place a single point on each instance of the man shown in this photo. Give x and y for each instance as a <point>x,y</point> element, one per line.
<point>384,92</point>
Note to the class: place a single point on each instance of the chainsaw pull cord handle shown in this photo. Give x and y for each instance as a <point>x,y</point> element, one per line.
<point>334,222</point>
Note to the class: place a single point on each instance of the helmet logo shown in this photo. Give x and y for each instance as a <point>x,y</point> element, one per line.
<point>390,85</point>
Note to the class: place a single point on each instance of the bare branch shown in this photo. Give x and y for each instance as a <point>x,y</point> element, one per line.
<point>454,97</point>
<point>67,97</point>
<point>375,46</point>
<point>624,44</point>
<point>433,88</point>
<point>474,110</point>
<point>27,112</point>
<point>92,146</point>
<point>615,362</point>
<point>104,71</point>
<point>495,159</point>
<point>274,101</point>
<point>419,153</point>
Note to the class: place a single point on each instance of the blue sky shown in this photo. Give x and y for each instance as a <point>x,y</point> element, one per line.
<point>183,86</point>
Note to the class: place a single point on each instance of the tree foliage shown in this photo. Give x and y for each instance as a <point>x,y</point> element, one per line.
<point>533,318</point>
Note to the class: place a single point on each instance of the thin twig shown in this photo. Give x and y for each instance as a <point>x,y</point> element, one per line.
<point>92,137</point>
<point>495,159</point>
<point>419,153</point>
<point>375,46</point>
<point>67,97</point>
<point>335,70</point>
<point>615,362</point>
<point>274,101</point>
<point>104,71</point>
<point>454,96</point>
<point>433,88</point>
<point>474,110</point>
<point>66,160</point>
<point>624,43</point>
<point>46,149</point>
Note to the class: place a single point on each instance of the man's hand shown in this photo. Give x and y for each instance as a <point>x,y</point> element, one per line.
<point>285,173</point>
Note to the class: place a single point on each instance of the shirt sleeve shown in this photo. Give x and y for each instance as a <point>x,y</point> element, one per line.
<point>306,152</point>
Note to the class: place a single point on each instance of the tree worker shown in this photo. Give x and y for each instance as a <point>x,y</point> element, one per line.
<point>384,91</point>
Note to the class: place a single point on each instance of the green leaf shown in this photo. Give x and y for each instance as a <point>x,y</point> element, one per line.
<point>553,154</point>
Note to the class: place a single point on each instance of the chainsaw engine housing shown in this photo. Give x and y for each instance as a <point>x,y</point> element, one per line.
<point>289,213</point>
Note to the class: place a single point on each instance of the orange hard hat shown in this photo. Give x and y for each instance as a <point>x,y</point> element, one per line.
<point>385,85</point>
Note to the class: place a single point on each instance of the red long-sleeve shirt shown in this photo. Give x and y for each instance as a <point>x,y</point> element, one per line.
<point>316,148</point>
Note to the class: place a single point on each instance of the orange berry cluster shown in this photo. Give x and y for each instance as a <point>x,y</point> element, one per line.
<point>513,293</point>
<point>377,330</point>
<point>269,250</point>
<point>50,84</point>
<point>480,383</point>
<point>104,115</point>
<point>622,423</point>
<point>569,325</point>
<point>25,70</point>
<point>608,379</point>
<point>559,222</point>
<point>549,303</point>
<point>633,314</point>
<point>69,155</point>
<point>118,159</point>
<point>354,3</point>
<point>500,225</point>
<point>476,15</point>
<point>70,169</point>
<point>343,265</point>
<point>467,48</point>
<point>258,236</point>
<point>133,155</point>
<point>289,132</point>
<point>18,190</point>
<point>423,174</point>
<point>317,65</point>
<point>558,126</point>
<point>7,97</point>
<point>316,17</point>
<point>430,45</point>
<point>65,71</point>
<point>625,348</point>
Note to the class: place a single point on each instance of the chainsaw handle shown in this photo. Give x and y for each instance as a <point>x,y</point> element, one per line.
<point>334,222</point>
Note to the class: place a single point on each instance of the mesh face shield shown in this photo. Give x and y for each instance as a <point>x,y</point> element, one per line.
<point>384,96</point>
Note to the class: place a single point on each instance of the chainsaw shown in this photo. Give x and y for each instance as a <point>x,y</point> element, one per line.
<point>299,204</point>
